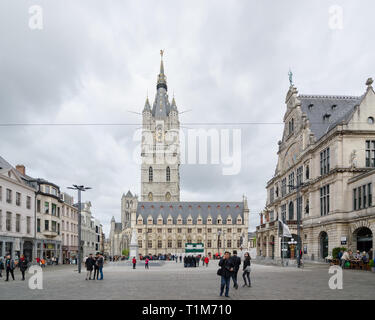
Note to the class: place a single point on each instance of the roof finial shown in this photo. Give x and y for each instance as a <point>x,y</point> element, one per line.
<point>162,81</point>
<point>369,83</point>
<point>290,73</point>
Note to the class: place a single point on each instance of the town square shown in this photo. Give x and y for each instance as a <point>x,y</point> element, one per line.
<point>170,281</point>
<point>165,150</point>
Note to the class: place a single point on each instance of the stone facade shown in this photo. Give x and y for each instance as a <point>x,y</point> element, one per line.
<point>17,201</point>
<point>327,150</point>
<point>69,227</point>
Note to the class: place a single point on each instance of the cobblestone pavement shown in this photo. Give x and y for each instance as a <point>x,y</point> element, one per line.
<point>171,281</point>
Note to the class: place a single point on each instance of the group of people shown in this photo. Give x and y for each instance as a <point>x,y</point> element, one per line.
<point>346,256</point>
<point>229,267</point>
<point>94,263</point>
<point>9,265</point>
<point>193,261</point>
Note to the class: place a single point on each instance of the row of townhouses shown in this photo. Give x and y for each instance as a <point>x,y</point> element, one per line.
<point>38,220</point>
<point>324,178</point>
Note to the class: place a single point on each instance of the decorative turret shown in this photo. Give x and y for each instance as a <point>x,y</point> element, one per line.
<point>174,106</point>
<point>147,107</point>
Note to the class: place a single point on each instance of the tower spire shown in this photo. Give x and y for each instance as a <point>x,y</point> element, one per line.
<point>162,79</point>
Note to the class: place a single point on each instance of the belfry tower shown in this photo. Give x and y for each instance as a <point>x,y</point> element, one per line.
<point>160,177</point>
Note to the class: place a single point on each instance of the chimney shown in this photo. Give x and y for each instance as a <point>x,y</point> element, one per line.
<point>21,169</point>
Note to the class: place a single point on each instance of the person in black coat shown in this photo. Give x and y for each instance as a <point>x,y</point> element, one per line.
<point>226,271</point>
<point>246,269</point>
<point>96,267</point>
<point>9,267</point>
<point>236,262</point>
<point>90,262</point>
<point>23,266</point>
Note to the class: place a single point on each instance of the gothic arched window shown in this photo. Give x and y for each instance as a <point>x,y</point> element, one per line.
<point>150,197</point>
<point>150,174</point>
<point>168,174</point>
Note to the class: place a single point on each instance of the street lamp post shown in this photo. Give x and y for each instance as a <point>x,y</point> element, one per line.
<point>218,239</point>
<point>79,188</point>
<point>298,187</point>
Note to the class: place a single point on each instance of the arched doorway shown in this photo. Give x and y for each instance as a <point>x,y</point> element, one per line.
<point>289,247</point>
<point>28,250</point>
<point>323,241</point>
<point>364,239</point>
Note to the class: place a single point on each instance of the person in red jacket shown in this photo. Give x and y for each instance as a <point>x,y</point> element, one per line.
<point>206,260</point>
<point>134,262</point>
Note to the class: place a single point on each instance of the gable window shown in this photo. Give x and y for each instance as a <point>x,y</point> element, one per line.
<point>168,174</point>
<point>324,161</point>
<point>370,153</point>
<point>324,200</point>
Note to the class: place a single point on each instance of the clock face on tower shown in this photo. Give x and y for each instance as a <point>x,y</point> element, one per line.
<point>159,133</point>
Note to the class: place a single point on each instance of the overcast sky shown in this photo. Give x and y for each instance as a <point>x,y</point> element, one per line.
<point>226,61</point>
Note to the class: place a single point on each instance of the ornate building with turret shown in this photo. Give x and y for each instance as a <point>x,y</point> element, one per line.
<point>324,178</point>
<point>163,223</point>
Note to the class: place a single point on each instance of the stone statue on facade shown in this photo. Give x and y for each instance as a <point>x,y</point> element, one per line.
<point>353,159</point>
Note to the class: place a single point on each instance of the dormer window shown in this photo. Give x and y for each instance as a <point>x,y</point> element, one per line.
<point>333,107</point>
<point>310,106</point>
<point>326,116</point>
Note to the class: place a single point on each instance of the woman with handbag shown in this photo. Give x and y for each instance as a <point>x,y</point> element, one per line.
<point>246,269</point>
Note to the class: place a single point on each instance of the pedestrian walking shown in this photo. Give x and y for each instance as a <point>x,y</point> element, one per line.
<point>100,264</point>
<point>9,267</point>
<point>180,259</point>
<point>134,261</point>
<point>236,263</point>
<point>43,262</point>
<point>23,266</point>
<point>225,272</point>
<point>246,270</point>
<point>146,263</point>
<point>89,263</point>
